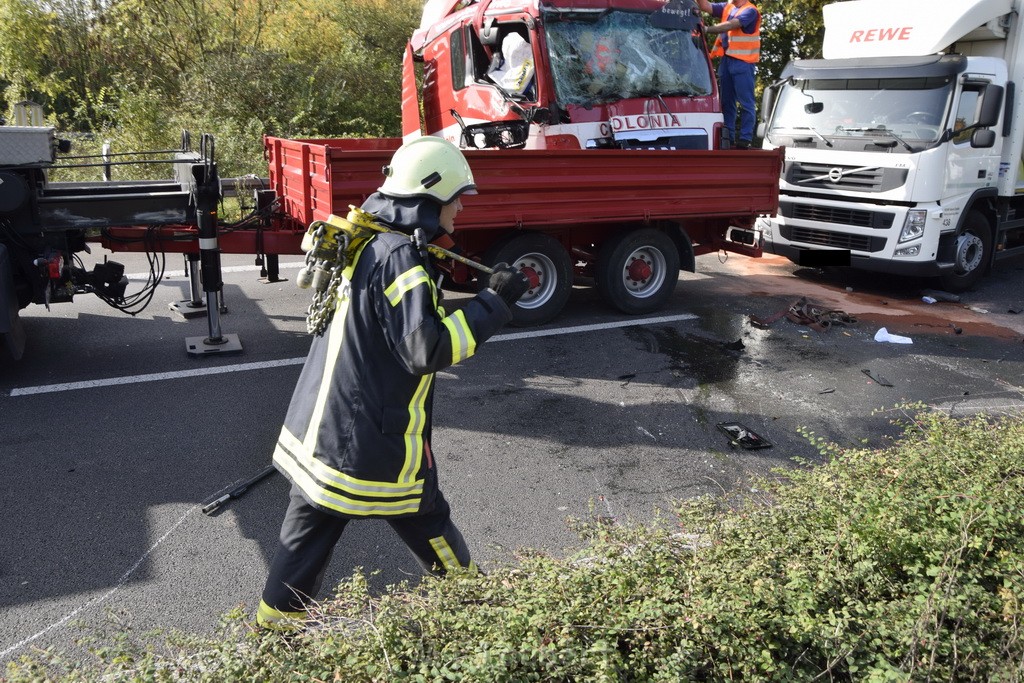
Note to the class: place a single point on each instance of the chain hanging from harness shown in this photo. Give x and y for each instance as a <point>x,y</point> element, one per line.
<point>331,247</point>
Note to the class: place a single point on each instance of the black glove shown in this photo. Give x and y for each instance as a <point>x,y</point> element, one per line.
<point>508,283</point>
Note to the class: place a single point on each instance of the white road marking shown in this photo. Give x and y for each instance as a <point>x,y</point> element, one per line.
<point>154,377</point>
<point>243,367</point>
<point>531,334</point>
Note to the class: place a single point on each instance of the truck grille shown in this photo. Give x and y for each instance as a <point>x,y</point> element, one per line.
<point>835,240</point>
<point>862,179</point>
<point>876,220</point>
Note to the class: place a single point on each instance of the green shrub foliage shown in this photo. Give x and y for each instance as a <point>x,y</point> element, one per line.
<point>904,563</point>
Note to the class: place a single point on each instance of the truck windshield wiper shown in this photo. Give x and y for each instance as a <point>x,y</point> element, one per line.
<point>879,129</point>
<point>814,132</point>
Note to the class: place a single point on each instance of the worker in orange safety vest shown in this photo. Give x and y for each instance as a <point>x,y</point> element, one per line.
<point>739,48</point>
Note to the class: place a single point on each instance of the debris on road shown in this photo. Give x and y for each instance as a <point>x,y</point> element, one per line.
<point>939,295</point>
<point>883,335</point>
<point>877,378</point>
<point>741,436</point>
<point>805,313</point>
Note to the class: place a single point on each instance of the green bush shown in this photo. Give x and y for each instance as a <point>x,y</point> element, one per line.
<point>903,563</point>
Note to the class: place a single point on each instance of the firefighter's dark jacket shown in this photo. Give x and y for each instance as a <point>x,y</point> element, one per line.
<point>356,439</point>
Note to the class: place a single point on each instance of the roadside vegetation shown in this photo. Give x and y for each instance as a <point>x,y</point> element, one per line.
<point>899,563</point>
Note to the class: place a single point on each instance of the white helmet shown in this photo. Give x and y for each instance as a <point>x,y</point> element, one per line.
<point>428,167</point>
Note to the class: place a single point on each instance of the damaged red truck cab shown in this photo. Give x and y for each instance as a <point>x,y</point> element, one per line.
<point>564,74</point>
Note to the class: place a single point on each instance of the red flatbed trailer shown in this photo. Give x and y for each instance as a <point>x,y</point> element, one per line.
<point>628,218</point>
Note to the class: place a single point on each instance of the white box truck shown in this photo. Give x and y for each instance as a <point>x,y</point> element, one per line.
<point>903,145</point>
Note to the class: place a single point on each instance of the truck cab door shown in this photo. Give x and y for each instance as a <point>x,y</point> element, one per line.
<point>970,167</point>
<point>493,84</point>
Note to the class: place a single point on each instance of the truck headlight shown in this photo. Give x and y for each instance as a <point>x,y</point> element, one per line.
<point>913,226</point>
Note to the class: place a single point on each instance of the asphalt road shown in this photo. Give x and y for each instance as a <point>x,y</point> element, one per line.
<point>113,437</point>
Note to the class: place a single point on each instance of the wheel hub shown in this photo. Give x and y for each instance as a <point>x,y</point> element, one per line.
<point>968,252</point>
<point>532,275</point>
<point>639,270</point>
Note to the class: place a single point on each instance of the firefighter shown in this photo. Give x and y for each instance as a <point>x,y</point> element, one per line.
<point>356,441</point>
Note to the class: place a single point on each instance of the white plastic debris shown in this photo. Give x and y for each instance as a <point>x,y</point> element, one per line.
<point>883,336</point>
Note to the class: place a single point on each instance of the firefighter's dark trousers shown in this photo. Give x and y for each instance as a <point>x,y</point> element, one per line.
<point>308,537</point>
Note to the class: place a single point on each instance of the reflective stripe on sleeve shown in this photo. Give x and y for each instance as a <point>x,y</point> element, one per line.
<point>405,282</point>
<point>463,341</point>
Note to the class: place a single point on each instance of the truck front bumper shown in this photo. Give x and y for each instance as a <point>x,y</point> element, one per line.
<point>803,256</point>
<point>815,231</point>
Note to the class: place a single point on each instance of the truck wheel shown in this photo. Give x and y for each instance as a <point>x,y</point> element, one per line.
<point>545,262</point>
<point>637,271</point>
<point>972,255</point>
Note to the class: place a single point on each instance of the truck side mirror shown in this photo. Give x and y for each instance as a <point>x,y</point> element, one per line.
<point>768,98</point>
<point>983,138</point>
<point>991,106</point>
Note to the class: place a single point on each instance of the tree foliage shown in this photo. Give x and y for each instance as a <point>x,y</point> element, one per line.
<point>789,30</point>
<point>138,71</point>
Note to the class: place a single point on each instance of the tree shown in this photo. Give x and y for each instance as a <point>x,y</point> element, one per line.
<point>790,29</point>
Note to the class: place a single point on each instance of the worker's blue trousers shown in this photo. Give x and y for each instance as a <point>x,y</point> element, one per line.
<point>736,85</point>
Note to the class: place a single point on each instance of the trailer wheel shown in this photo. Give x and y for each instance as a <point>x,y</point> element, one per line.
<point>973,253</point>
<point>637,271</point>
<point>543,259</point>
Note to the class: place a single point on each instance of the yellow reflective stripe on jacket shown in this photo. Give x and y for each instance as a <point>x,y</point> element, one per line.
<point>335,501</point>
<point>414,431</point>
<point>335,338</point>
<point>336,334</point>
<point>266,615</point>
<point>444,553</point>
<point>295,449</point>
<point>404,282</point>
<point>463,341</point>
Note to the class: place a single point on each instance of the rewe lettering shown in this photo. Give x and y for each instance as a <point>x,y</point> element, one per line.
<point>879,35</point>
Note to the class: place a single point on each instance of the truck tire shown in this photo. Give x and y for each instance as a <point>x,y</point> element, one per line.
<point>972,256</point>
<point>543,259</point>
<point>637,271</point>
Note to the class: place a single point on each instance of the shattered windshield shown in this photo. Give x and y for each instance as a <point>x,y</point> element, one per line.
<point>622,55</point>
<point>911,109</point>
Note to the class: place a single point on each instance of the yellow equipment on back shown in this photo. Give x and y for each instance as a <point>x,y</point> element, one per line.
<point>330,247</point>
